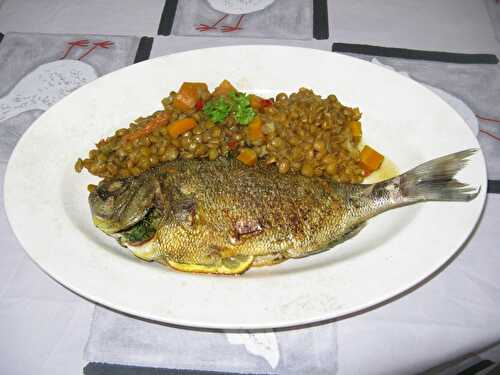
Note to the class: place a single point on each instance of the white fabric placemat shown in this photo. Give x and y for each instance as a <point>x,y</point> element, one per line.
<point>461,26</point>
<point>118,339</point>
<point>277,19</point>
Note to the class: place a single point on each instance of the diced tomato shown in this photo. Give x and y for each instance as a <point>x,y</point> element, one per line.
<point>199,105</point>
<point>266,103</point>
<point>232,144</point>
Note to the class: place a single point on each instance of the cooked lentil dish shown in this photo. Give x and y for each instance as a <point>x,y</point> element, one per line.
<point>297,133</point>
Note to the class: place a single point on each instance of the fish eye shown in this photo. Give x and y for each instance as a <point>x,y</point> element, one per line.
<point>102,193</point>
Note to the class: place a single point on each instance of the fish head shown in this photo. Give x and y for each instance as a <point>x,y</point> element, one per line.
<point>120,204</point>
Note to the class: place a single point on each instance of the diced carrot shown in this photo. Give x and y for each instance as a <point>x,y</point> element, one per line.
<point>200,86</point>
<point>255,129</point>
<point>356,131</point>
<point>189,94</point>
<point>185,100</point>
<point>179,127</point>
<point>255,101</point>
<point>370,159</point>
<point>224,88</point>
<point>160,119</point>
<point>247,156</point>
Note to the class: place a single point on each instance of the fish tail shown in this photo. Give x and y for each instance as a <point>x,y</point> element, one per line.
<point>434,180</point>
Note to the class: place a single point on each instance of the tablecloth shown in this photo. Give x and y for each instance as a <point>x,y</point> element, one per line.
<point>44,327</point>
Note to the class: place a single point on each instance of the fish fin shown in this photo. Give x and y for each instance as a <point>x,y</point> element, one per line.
<point>350,233</point>
<point>227,266</point>
<point>268,260</point>
<point>182,205</point>
<point>434,180</point>
<point>354,230</point>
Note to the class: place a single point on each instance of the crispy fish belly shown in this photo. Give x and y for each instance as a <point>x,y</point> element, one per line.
<point>223,217</point>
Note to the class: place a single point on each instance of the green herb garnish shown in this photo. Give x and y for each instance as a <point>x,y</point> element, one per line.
<point>139,233</point>
<point>240,106</point>
<point>145,229</point>
<point>217,110</point>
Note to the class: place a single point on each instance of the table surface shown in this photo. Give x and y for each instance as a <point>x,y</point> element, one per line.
<point>44,327</point>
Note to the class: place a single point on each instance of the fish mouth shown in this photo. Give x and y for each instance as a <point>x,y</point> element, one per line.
<point>141,232</point>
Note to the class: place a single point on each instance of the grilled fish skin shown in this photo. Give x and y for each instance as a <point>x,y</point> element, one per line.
<point>223,217</point>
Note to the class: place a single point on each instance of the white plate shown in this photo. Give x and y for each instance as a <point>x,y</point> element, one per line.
<point>46,201</point>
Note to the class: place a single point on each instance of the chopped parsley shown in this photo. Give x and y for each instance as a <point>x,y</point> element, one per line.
<point>238,104</point>
<point>243,113</point>
<point>217,110</point>
<point>145,229</point>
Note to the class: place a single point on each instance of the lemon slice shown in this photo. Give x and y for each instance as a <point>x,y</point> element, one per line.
<point>146,251</point>
<point>228,266</point>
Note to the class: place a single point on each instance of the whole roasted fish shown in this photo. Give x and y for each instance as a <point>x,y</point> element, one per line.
<point>223,217</point>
